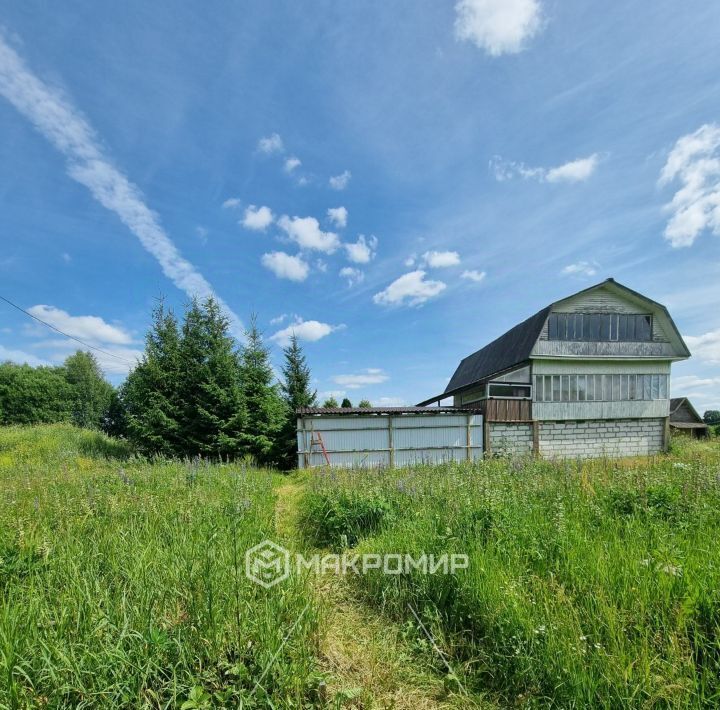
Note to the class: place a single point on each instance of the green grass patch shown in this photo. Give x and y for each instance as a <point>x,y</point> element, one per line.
<point>122,582</point>
<point>592,584</point>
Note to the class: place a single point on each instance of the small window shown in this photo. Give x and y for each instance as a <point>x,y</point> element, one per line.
<point>510,391</point>
<point>556,388</point>
<point>553,326</point>
<point>582,387</point>
<point>643,328</point>
<point>605,327</point>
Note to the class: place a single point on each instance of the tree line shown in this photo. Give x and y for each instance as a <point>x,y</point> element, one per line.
<point>193,393</point>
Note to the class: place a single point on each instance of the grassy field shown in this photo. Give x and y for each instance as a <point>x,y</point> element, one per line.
<point>590,584</point>
<point>122,582</point>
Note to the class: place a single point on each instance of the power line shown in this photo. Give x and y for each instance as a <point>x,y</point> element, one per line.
<point>72,337</point>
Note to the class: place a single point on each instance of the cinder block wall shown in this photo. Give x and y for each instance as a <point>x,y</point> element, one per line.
<point>605,437</point>
<point>512,439</point>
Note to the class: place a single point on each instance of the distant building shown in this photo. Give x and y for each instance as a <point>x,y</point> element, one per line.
<point>587,376</point>
<point>684,417</point>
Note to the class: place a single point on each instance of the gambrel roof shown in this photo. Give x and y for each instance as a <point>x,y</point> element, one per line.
<point>515,347</point>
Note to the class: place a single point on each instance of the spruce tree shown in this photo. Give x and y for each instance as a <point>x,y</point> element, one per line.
<point>211,407</point>
<point>265,407</point>
<point>330,403</point>
<point>346,403</point>
<point>150,394</point>
<point>296,393</point>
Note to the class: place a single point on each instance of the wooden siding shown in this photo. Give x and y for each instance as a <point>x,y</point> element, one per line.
<point>561,411</point>
<point>601,367</point>
<point>604,301</point>
<point>508,410</point>
<point>576,349</point>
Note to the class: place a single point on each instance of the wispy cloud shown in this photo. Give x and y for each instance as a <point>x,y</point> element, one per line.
<point>271,144</point>
<point>65,128</point>
<point>257,218</point>
<point>363,250</point>
<point>352,275</point>
<point>441,259</point>
<point>580,268</point>
<point>705,347</point>
<point>498,26</point>
<point>338,216</point>
<point>20,357</point>
<point>308,330</point>
<point>370,376</point>
<point>473,275</point>
<point>570,172</point>
<point>411,289</point>
<point>695,163</point>
<point>231,203</point>
<point>340,182</point>
<point>285,266</point>
<point>292,163</point>
<point>306,232</point>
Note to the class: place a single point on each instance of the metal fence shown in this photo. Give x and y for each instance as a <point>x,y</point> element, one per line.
<point>394,440</point>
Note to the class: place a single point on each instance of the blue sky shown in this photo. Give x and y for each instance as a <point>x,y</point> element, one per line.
<point>489,157</point>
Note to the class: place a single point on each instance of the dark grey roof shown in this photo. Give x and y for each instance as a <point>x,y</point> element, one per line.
<point>334,411</point>
<point>510,349</point>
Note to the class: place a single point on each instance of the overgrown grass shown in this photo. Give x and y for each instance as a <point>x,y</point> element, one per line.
<point>122,582</point>
<point>592,584</point>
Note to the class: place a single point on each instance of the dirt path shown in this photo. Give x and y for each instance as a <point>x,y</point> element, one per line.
<point>367,659</point>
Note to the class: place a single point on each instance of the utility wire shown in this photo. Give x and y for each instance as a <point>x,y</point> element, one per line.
<point>72,337</point>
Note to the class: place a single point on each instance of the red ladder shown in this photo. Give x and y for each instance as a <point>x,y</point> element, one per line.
<point>316,438</point>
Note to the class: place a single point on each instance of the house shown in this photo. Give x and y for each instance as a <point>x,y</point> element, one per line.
<point>586,376</point>
<point>684,418</point>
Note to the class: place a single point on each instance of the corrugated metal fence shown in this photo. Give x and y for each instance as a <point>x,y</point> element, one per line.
<point>388,439</point>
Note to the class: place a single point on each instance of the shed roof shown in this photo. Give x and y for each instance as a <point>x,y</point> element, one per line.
<point>335,411</point>
<point>676,403</point>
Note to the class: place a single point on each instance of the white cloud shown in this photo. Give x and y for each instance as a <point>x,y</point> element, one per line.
<point>231,203</point>
<point>410,261</point>
<point>410,289</point>
<point>695,163</point>
<point>353,276</point>
<point>370,376</point>
<point>285,266</point>
<point>202,233</point>
<point>441,259</point>
<point>580,268</point>
<point>498,26</point>
<point>570,172</point>
<point>362,251</point>
<point>65,128</point>
<point>20,357</point>
<point>705,347</point>
<point>340,182</point>
<point>688,381</point>
<point>338,216</point>
<point>306,232</point>
<point>271,144</point>
<point>292,163</point>
<point>321,265</point>
<point>278,319</point>
<point>309,330</point>
<point>473,275</point>
<point>574,171</point>
<point>257,218</point>
<point>92,328</point>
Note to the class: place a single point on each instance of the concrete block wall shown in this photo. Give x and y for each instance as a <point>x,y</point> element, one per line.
<point>512,439</point>
<point>601,437</point>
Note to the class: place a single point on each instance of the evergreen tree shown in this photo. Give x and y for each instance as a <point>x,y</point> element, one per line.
<point>364,404</point>
<point>346,403</point>
<point>265,407</point>
<point>92,393</point>
<point>296,393</point>
<point>150,394</point>
<point>331,403</point>
<point>211,407</point>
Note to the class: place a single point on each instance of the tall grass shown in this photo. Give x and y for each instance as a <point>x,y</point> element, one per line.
<point>122,582</point>
<point>592,584</point>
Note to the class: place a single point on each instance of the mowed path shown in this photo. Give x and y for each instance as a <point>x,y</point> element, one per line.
<point>365,657</point>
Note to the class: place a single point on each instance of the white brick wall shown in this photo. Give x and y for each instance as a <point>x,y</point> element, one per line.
<point>597,438</point>
<point>514,439</point>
